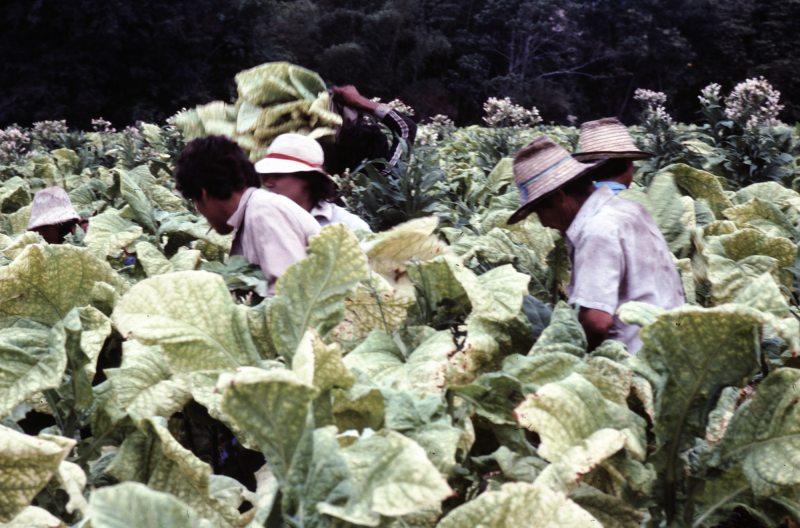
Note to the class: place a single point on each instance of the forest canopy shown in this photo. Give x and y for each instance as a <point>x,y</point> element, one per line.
<point>131,60</point>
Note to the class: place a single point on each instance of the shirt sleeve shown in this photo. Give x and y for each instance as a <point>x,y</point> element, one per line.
<point>597,272</point>
<point>276,238</point>
<point>402,127</point>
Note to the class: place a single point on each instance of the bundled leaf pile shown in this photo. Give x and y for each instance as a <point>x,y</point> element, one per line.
<point>274,98</point>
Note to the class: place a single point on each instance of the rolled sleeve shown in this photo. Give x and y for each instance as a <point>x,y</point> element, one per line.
<point>597,272</point>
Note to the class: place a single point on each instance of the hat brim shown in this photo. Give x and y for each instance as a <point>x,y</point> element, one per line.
<point>53,220</point>
<point>523,212</point>
<point>632,155</point>
<point>283,166</point>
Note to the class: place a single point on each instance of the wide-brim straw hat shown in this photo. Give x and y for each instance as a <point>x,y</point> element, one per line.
<point>542,167</point>
<point>607,138</point>
<point>290,153</point>
<point>51,206</point>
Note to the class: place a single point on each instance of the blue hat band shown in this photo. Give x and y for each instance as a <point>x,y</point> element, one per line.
<point>523,187</point>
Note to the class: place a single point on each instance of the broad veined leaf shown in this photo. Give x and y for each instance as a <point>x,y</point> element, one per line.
<point>29,365</point>
<point>764,295</point>
<point>34,517</point>
<point>143,384</point>
<point>701,185</point>
<point>610,511</point>
<point>73,480</point>
<point>720,417</point>
<point>764,434</point>
<point>45,282</point>
<point>271,405</point>
<point>389,251</point>
<point>192,316</point>
<point>134,504</point>
<point>567,412</point>
<point>266,84</point>
<point>392,477</point>
<point>138,200</point>
<point>564,334</point>
<point>109,232</point>
<point>320,365</point>
<point>27,463</point>
<point>311,292</point>
<point>763,215</point>
<point>380,358</point>
<point>203,388</point>
<point>728,277</point>
<point>19,243</point>
<point>153,457</point>
<point>663,201</point>
<point>153,261</point>
<point>749,242</point>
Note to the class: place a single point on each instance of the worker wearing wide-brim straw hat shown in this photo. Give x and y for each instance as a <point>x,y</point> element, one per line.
<point>52,215</point>
<point>617,252</point>
<point>609,138</point>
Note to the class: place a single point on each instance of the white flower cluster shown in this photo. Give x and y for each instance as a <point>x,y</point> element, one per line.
<point>504,113</point>
<point>103,126</point>
<point>48,129</point>
<point>754,101</point>
<point>14,145</point>
<point>649,97</point>
<point>397,105</point>
<point>660,114</point>
<point>710,94</point>
<point>442,124</point>
<point>134,131</point>
<point>427,136</point>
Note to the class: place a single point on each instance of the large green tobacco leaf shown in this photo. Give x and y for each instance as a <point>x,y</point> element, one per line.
<point>729,277</point>
<point>764,435</point>
<point>18,244</point>
<point>380,358</point>
<point>610,511</point>
<point>192,316</point>
<point>320,365</point>
<point>137,199</point>
<point>311,292</point>
<point>266,84</point>
<point>34,517</point>
<point>701,185</point>
<point>764,215</point>
<point>567,412</point>
<point>748,242</point>
<point>564,334</point>
<point>153,457</point>
<point>143,383</point>
<point>45,282</point>
<point>134,504</point>
<point>389,251</point>
<point>663,202</point>
<point>27,463</point>
<point>182,229</point>
<point>109,232</point>
<point>392,477</point>
<point>153,261</point>
<point>270,405</point>
<point>29,365</point>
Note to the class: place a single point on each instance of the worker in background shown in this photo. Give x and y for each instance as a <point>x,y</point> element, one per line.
<point>53,216</point>
<point>608,138</point>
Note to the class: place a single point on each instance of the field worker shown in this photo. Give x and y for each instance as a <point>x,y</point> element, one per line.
<point>608,138</point>
<point>358,139</point>
<point>53,216</point>
<point>268,229</point>
<point>293,168</point>
<point>617,252</point>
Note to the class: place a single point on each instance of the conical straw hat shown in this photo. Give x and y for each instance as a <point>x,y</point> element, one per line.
<point>51,206</point>
<point>540,168</point>
<point>607,138</point>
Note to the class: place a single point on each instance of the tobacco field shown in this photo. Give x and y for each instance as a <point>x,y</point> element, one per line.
<point>429,374</point>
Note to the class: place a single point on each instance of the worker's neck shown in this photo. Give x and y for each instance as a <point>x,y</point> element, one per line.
<point>230,205</point>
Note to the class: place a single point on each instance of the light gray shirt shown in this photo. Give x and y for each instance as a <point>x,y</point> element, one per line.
<point>328,213</point>
<point>618,255</point>
<point>271,231</point>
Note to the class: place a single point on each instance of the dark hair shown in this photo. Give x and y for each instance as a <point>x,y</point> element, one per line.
<point>611,169</point>
<point>216,164</point>
<point>581,186</point>
<point>320,187</point>
<point>356,142</point>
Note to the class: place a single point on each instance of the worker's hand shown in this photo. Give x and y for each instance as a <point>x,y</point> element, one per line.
<point>596,324</point>
<point>349,96</point>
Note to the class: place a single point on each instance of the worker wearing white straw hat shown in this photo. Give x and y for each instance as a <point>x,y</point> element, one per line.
<point>293,168</point>
<point>270,230</point>
<point>608,138</point>
<point>52,215</point>
<point>617,252</point>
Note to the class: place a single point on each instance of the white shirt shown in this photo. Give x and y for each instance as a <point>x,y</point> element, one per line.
<point>618,255</point>
<point>327,213</point>
<point>271,231</point>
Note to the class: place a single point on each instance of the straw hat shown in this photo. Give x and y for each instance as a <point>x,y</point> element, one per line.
<point>290,153</point>
<point>51,206</point>
<point>540,168</point>
<point>607,138</point>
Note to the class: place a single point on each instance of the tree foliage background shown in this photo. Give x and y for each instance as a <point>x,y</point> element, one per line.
<point>129,60</point>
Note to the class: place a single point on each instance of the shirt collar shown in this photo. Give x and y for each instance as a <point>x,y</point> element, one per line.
<point>235,221</point>
<point>324,210</point>
<point>589,209</point>
<point>617,187</point>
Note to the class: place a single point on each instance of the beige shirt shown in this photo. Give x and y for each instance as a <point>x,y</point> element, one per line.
<point>328,213</point>
<point>618,255</point>
<point>271,231</point>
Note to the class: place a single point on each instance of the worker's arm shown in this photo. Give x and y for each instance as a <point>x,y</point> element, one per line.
<point>596,324</point>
